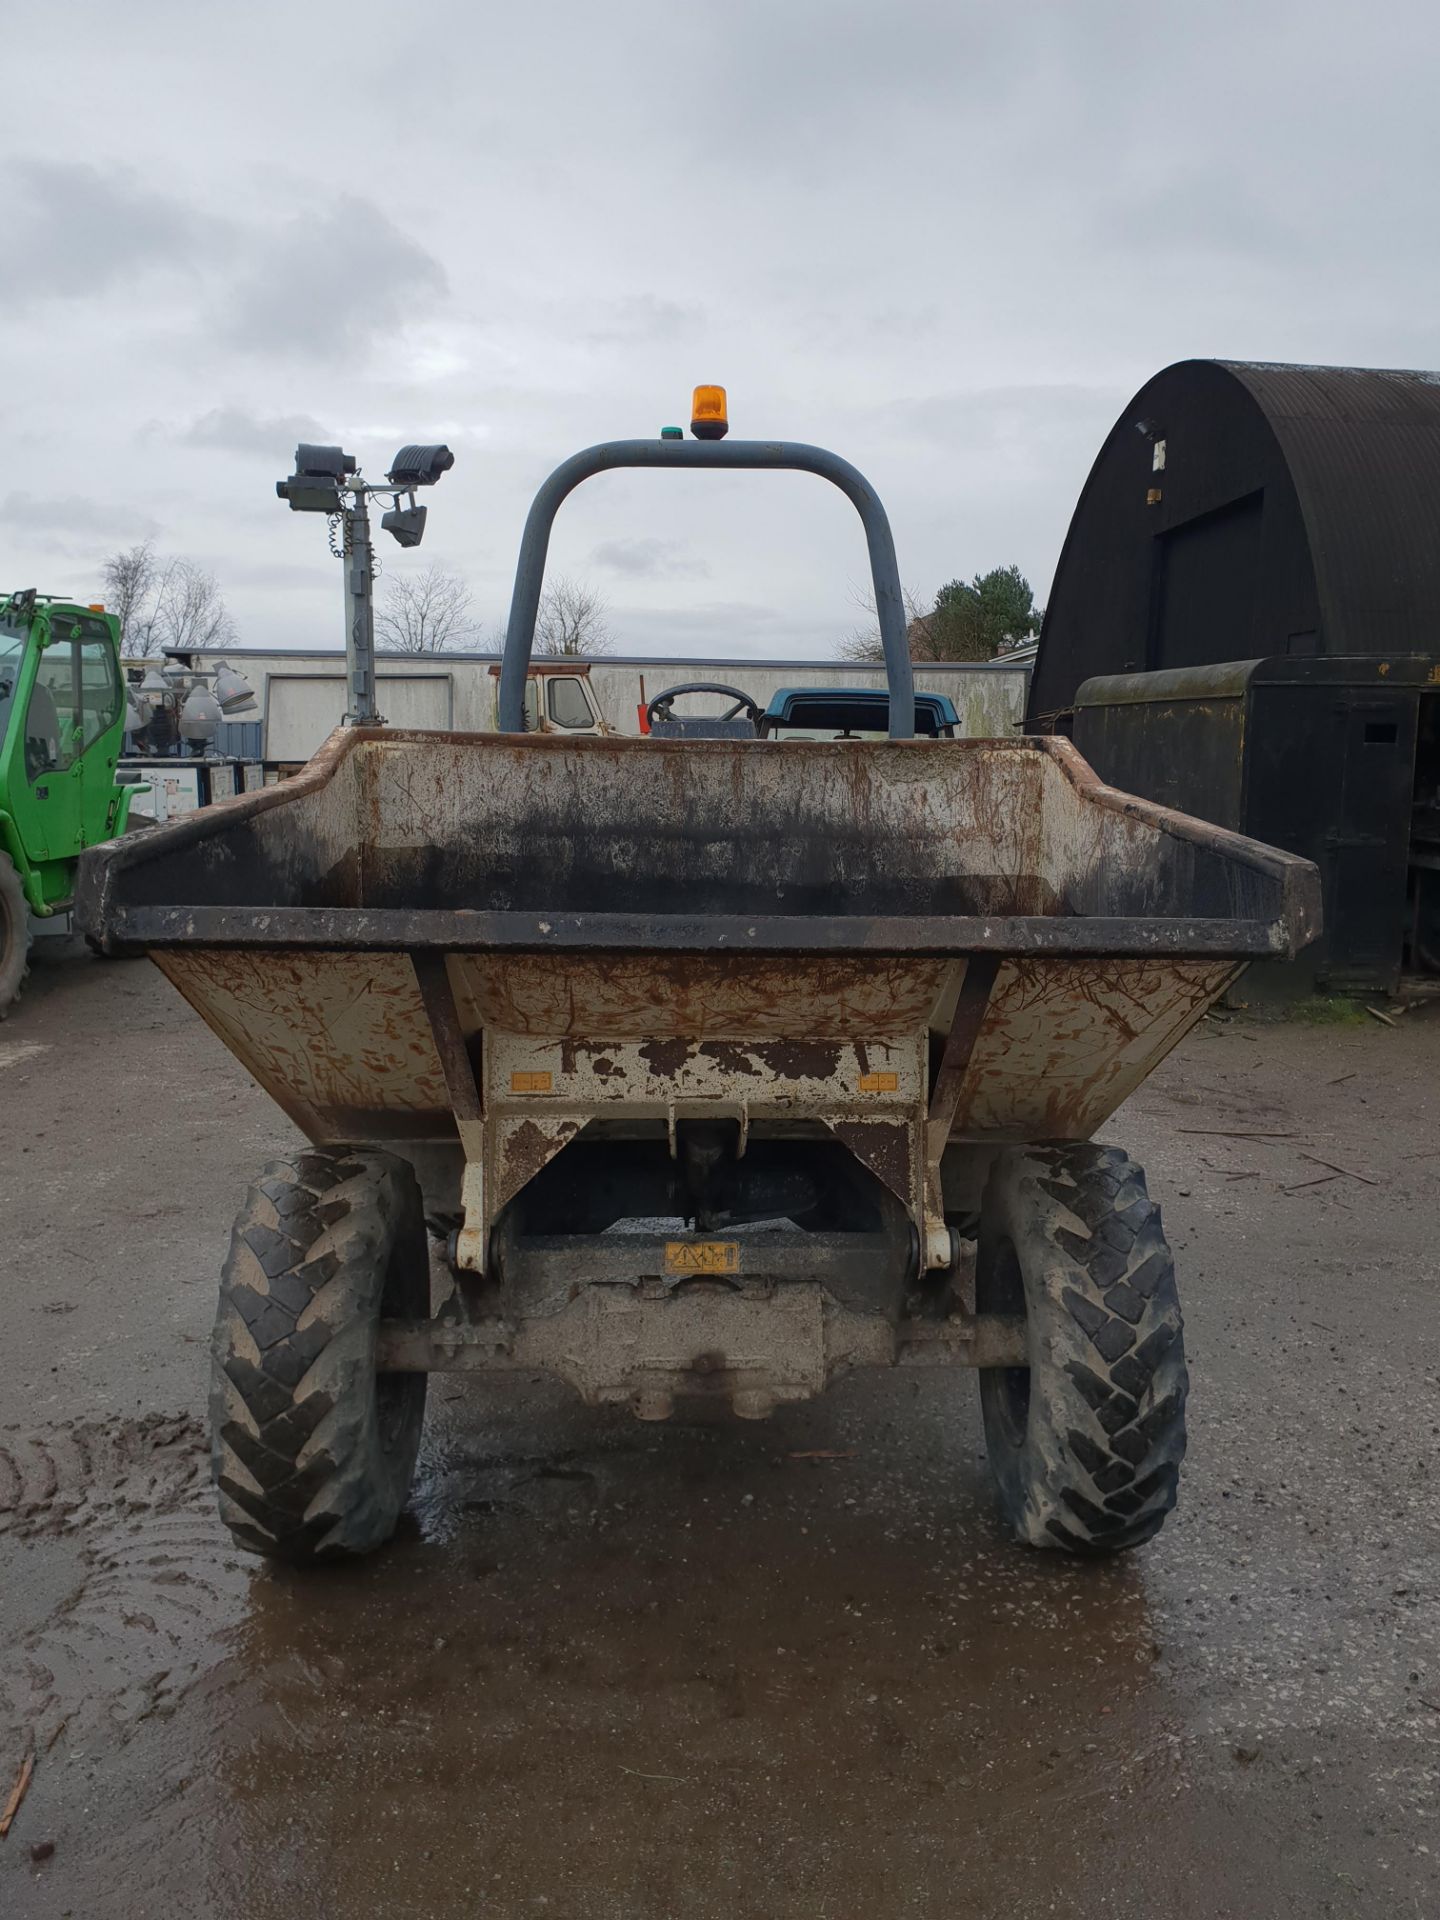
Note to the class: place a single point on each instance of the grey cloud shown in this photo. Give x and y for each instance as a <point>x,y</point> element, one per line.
<point>54,520</point>
<point>861,329</point>
<point>1208,212</point>
<point>286,576</point>
<point>648,557</point>
<point>233,430</point>
<point>947,239</point>
<point>985,418</point>
<point>723,628</point>
<point>866,75</point>
<point>642,316</point>
<point>73,528</point>
<point>77,231</point>
<point>337,277</point>
<point>330,281</point>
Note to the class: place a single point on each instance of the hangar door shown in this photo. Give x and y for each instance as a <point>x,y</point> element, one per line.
<point>1208,587</point>
<point>302,708</point>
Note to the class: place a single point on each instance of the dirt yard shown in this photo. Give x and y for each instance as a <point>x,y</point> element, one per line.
<point>611,1670</point>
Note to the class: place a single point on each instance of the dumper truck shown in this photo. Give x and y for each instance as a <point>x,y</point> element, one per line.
<point>698,1067</point>
<point>62,724</point>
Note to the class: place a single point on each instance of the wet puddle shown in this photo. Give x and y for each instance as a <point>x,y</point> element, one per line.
<point>611,1670</point>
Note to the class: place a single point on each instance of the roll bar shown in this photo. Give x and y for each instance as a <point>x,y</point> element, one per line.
<point>725,455</point>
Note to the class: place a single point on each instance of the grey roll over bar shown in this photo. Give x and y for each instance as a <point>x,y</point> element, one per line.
<point>780,455</point>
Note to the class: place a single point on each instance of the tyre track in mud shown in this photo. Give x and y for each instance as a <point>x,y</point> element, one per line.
<point>65,1477</point>
<point>129,1506</point>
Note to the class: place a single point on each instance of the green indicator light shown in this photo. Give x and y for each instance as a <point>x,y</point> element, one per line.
<point>672,433</point>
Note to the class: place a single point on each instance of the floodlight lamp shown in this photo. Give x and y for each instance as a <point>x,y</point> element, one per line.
<point>420,466</point>
<point>234,693</point>
<point>405,524</point>
<point>309,494</point>
<point>200,715</point>
<point>329,463</point>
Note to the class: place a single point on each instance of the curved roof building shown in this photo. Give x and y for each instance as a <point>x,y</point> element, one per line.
<point>1239,511</point>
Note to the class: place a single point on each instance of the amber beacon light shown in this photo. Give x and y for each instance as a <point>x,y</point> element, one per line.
<point>707,414</point>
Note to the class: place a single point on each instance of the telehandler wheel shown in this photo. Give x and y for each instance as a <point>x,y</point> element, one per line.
<point>14,934</point>
<point>1086,1442</point>
<point>313,1450</point>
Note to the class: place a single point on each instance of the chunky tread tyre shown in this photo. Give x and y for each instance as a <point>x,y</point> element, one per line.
<point>1086,1443</point>
<point>14,935</point>
<point>312,1450</point>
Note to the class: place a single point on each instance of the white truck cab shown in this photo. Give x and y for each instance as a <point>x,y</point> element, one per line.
<point>559,698</point>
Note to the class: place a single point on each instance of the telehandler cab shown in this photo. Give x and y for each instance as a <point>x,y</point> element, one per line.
<point>62,722</point>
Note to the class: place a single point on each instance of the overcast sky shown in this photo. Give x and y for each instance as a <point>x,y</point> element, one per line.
<point>948,240</point>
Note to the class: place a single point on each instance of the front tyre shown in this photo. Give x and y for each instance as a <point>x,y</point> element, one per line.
<point>313,1450</point>
<point>1086,1442</point>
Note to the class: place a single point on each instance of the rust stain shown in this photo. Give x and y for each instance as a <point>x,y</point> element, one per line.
<point>588,1056</point>
<point>320,1031</point>
<point>797,1059</point>
<point>772,1059</point>
<point>883,1146</point>
<point>762,1060</point>
<point>731,1056</point>
<point>665,1057</point>
<point>1064,1042</point>
<point>659,997</point>
<point>528,1148</point>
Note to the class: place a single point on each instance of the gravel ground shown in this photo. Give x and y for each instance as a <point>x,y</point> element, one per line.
<point>611,1670</point>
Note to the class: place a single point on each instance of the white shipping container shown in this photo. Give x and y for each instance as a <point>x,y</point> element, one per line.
<point>301,709</point>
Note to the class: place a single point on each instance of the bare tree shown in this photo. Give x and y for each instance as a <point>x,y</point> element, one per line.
<point>424,612</point>
<point>571,620</point>
<point>164,603</point>
<point>188,610</point>
<point>129,580</point>
<point>865,644</point>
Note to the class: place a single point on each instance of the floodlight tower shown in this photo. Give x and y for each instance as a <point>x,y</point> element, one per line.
<point>327,480</point>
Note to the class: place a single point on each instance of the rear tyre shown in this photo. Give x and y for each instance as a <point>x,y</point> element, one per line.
<point>14,934</point>
<point>1086,1442</point>
<point>313,1450</point>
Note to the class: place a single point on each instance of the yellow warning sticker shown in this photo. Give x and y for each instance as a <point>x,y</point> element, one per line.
<point>879,1083</point>
<point>530,1082</point>
<point>702,1256</point>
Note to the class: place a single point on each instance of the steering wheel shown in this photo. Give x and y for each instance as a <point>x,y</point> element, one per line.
<point>659,707</point>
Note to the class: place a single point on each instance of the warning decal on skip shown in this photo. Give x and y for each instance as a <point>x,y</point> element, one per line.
<point>702,1256</point>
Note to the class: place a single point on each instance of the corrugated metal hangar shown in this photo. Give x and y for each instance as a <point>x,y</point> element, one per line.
<point>1245,623</point>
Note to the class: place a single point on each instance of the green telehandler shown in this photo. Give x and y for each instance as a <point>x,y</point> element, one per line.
<point>62,721</point>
